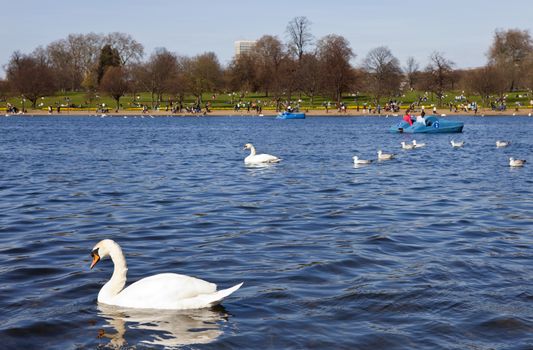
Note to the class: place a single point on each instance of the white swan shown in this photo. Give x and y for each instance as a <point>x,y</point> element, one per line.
<point>500,144</point>
<point>418,145</point>
<point>163,291</point>
<point>254,158</point>
<point>356,160</point>
<point>385,156</point>
<point>457,144</point>
<point>407,145</point>
<point>516,162</point>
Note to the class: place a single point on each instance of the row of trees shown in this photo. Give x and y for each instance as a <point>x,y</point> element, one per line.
<point>114,64</point>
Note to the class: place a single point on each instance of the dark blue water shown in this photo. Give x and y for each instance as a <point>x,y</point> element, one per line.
<point>430,251</point>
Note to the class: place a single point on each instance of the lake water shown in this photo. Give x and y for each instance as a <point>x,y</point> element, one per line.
<point>433,250</point>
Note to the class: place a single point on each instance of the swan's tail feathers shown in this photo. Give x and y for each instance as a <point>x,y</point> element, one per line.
<point>220,295</point>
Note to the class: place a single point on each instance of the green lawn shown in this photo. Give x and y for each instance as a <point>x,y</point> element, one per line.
<point>228,100</point>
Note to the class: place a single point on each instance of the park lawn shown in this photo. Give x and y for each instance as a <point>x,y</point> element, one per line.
<point>228,100</point>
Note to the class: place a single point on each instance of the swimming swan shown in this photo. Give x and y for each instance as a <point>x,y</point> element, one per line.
<point>258,158</point>
<point>168,291</point>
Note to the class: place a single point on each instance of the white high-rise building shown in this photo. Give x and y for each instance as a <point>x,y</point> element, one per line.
<point>243,46</point>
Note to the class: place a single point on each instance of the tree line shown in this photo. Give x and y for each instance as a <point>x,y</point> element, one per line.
<point>115,64</point>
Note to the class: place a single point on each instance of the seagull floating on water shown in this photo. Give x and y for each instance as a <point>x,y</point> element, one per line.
<point>254,158</point>
<point>418,145</point>
<point>356,160</point>
<point>385,156</point>
<point>502,143</point>
<point>457,144</point>
<point>516,162</point>
<point>407,145</point>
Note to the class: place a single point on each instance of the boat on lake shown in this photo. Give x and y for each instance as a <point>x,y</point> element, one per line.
<point>431,125</point>
<point>291,115</point>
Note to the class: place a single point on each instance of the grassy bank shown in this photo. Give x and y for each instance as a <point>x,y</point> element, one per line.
<point>79,101</point>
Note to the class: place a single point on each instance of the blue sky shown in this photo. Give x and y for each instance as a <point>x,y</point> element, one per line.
<point>461,30</point>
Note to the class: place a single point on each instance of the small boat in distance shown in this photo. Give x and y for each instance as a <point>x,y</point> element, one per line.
<point>430,125</point>
<point>291,115</point>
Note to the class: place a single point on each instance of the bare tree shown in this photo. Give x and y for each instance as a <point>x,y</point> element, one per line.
<point>30,76</point>
<point>299,35</point>
<point>528,73</point>
<point>268,54</point>
<point>177,84</point>
<point>154,75</point>
<point>485,81</point>
<point>204,73</point>
<point>439,74</point>
<point>384,73</point>
<point>129,49</point>
<point>241,74</point>
<point>115,83</point>
<point>309,75</point>
<point>334,54</point>
<point>74,58</point>
<point>412,68</point>
<point>510,51</point>
<point>4,90</point>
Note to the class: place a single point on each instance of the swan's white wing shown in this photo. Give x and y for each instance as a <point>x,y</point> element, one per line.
<point>207,300</point>
<point>163,291</point>
<point>262,158</point>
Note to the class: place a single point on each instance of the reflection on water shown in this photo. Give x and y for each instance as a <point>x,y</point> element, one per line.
<point>166,328</point>
<point>252,166</point>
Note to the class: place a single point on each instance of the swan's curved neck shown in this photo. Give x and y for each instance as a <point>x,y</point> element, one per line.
<point>118,279</point>
<point>252,151</point>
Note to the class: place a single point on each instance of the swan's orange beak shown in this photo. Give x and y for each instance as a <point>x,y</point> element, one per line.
<point>96,258</point>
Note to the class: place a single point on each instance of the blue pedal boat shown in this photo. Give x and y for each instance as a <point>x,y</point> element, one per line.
<point>432,125</point>
<point>290,115</point>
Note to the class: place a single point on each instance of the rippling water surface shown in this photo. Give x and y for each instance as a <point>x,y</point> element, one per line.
<point>431,250</point>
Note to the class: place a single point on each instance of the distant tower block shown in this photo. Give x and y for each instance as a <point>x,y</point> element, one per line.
<point>244,46</point>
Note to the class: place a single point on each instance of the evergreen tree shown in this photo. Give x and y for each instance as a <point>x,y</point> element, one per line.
<point>109,57</point>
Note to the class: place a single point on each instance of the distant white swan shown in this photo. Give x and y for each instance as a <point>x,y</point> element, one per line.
<point>418,145</point>
<point>516,162</point>
<point>254,158</point>
<point>163,291</point>
<point>358,161</point>
<point>457,144</point>
<point>501,144</point>
<point>385,156</point>
<point>407,145</point>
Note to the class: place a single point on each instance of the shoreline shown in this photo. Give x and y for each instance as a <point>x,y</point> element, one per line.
<point>266,113</point>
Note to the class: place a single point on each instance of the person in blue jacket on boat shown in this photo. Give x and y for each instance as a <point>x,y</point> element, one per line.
<point>407,117</point>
